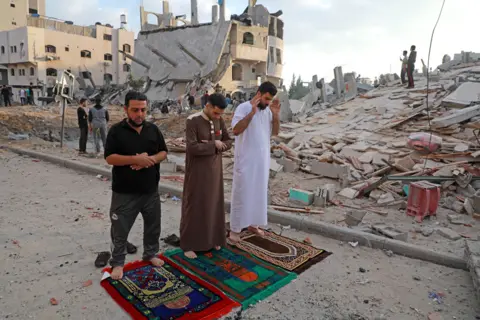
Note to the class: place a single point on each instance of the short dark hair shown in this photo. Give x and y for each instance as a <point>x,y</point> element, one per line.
<point>405,51</point>
<point>134,95</point>
<point>98,100</point>
<point>217,100</point>
<point>83,100</point>
<point>268,87</point>
<point>413,47</point>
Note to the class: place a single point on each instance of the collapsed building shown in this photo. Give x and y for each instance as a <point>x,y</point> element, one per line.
<point>178,57</point>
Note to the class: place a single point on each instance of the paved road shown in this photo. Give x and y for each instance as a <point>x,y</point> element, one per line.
<point>49,243</point>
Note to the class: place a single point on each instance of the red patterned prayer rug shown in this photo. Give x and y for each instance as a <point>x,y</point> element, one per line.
<point>168,292</point>
<point>281,251</point>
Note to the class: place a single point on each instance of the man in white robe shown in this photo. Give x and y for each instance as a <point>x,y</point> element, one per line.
<point>254,122</point>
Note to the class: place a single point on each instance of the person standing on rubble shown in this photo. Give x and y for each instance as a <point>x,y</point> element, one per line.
<point>30,97</point>
<point>82,114</point>
<point>404,66</point>
<point>98,118</point>
<point>202,226</point>
<point>6,96</point>
<point>254,122</point>
<point>135,149</point>
<point>412,58</point>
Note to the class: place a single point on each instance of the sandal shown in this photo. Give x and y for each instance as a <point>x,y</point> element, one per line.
<point>102,259</point>
<point>172,240</point>
<point>131,248</point>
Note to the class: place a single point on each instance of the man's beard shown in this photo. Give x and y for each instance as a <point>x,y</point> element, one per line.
<point>134,124</point>
<point>262,106</point>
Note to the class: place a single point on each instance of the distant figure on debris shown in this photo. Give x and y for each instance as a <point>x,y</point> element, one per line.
<point>202,226</point>
<point>404,66</point>
<point>254,122</point>
<point>191,102</point>
<point>6,96</point>
<point>23,97</point>
<point>412,58</point>
<point>135,149</point>
<point>98,118</point>
<point>30,97</point>
<point>82,114</point>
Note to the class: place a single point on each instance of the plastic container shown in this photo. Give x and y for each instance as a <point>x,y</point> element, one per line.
<point>423,199</point>
<point>422,142</point>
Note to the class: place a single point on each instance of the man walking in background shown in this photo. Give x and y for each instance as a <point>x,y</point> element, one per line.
<point>135,149</point>
<point>254,122</point>
<point>23,97</point>
<point>412,58</point>
<point>30,97</point>
<point>82,114</point>
<point>202,226</point>
<point>404,66</point>
<point>6,96</point>
<point>98,118</point>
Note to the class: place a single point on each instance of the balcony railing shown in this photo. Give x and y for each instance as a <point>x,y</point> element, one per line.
<point>52,24</point>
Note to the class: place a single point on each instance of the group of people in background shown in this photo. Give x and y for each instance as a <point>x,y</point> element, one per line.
<point>408,66</point>
<point>25,95</point>
<point>135,148</point>
<point>94,120</point>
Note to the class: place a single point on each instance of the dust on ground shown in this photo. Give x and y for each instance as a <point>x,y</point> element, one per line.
<point>54,220</point>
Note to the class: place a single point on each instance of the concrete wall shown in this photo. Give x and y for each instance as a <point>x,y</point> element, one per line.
<point>250,72</point>
<point>13,17</point>
<point>275,61</point>
<point>67,56</point>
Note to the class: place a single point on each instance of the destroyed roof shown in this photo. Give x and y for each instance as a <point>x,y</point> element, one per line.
<point>181,53</point>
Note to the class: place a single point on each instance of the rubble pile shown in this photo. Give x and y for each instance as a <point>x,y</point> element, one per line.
<point>377,144</point>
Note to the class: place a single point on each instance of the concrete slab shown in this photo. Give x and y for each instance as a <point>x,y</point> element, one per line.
<point>390,232</point>
<point>448,233</point>
<point>330,170</point>
<point>456,117</point>
<point>465,94</point>
<point>288,165</point>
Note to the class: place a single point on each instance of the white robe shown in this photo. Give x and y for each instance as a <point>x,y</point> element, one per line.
<point>251,169</point>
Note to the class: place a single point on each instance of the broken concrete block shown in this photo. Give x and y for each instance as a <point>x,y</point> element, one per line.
<point>367,157</point>
<point>399,144</point>
<point>348,193</point>
<point>455,219</point>
<point>354,217</point>
<point>456,117</point>
<point>378,159</point>
<point>301,196</point>
<point>376,194</point>
<point>465,94</point>
<point>461,147</point>
<point>278,153</point>
<point>467,205</point>
<point>288,165</point>
<point>448,233</point>
<point>368,168</point>
<point>386,198</point>
<point>330,170</point>
<point>406,162</point>
<point>168,167</point>
<point>476,201</point>
<point>339,146</point>
<point>324,194</point>
<point>274,168</point>
<point>390,232</point>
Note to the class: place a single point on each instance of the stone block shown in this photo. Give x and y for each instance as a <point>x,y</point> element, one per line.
<point>274,168</point>
<point>448,233</point>
<point>379,157</point>
<point>168,167</point>
<point>390,232</point>
<point>366,158</point>
<point>288,165</point>
<point>456,117</point>
<point>348,193</point>
<point>406,163</point>
<point>330,170</point>
<point>301,196</point>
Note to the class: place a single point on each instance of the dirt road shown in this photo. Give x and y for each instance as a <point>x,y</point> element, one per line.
<point>54,220</point>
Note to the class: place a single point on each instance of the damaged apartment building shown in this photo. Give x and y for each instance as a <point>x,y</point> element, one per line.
<point>177,56</point>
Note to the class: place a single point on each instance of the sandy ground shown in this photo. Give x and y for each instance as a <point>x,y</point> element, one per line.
<point>50,239</point>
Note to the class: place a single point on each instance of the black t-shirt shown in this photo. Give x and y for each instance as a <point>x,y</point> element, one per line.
<point>122,139</point>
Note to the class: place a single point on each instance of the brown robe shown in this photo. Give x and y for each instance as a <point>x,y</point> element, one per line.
<point>202,226</point>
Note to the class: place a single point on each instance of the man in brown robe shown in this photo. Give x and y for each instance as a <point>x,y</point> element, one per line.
<point>202,226</point>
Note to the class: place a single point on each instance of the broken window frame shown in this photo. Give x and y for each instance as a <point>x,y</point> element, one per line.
<point>86,54</point>
<point>50,49</point>
<point>247,38</point>
<point>51,72</point>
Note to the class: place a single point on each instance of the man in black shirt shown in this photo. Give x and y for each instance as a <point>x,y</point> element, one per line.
<point>135,148</point>
<point>82,113</point>
<point>412,58</point>
<point>6,96</point>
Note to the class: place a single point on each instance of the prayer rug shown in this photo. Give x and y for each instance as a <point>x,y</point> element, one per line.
<point>168,292</point>
<point>281,251</point>
<point>243,277</point>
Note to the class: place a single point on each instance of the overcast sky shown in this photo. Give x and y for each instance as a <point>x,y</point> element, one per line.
<point>365,36</point>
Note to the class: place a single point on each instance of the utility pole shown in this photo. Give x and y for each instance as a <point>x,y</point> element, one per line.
<point>64,103</point>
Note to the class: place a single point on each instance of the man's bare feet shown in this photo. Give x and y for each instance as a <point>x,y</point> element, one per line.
<point>190,255</point>
<point>157,262</point>
<point>257,231</point>
<point>218,247</point>
<point>117,273</point>
<point>234,237</point>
